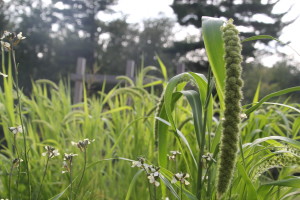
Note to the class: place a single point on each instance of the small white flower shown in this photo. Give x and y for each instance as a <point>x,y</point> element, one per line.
<point>152,179</point>
<point>136,164</point>
<point>151,168</point>
<point>69,156</point>
<point>173,155</point>
<point>20,36</point>
<point>140,163</point>
<point>67,164</point>
<point>243,116</point>
<point>16,162</point>
<point>181,177</point>
<point>7,35</point>
<point>82,144</point>
<point>51,152</point>
<point>16,130</point>
<point>209,157</point>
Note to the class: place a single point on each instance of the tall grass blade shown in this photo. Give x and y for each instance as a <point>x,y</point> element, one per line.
<point>213,42</point>
<point>266,139</point>
<point>132,183</point>
<point>274,94</point>
<point>163,68</point>
<point>268,37</point>
<point>251,191</point>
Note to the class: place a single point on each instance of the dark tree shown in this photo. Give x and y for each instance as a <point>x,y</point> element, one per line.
<point>251,16</point>
<point>283,75</point>
<point>129,41</point>
<point>56,34</point>
<point>62,30</point>
<point>154,39</point>
<point>79,17</point>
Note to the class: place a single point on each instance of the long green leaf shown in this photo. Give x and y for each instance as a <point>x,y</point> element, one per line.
<point>285,139</point>
<point>213,42</point>
<point>291,182</point>
<point>184,77</point>
<point>162,133</point>
<point>162,146</point>
<point>169,186</point>
<point>268,37</point>
<point>168,176</point>
<point>163,68</point>
<point>290,194</point>
<point>250,188</point>
<point>129,191</point>
<point>202,85</point>
<point>193,98</point>
<point>275,94</point>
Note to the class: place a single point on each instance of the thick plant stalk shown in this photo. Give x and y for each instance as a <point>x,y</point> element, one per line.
<point>233,95</point>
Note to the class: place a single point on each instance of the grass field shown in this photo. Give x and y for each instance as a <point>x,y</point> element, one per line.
<point>136,142</point>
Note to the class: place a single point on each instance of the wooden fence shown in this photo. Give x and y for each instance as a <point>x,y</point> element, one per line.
<point>81,76</point>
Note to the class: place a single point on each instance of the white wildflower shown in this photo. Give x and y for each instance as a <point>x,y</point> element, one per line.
<point>51,152</point>
<point>181,177</point>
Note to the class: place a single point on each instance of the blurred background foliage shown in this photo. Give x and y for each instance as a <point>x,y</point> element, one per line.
<point>59,31</point>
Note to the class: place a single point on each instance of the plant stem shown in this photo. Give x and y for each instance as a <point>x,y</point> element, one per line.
<point>200,162</point>
<point>71,181</point>
<point>180,190</point>
<point>21,120</point>
<point>15,145</point>
<point>18,156</point>
<point>154,192</point>
<point>210,83</point>
<point>44,175</point>
<point>149,187</point>
<point>83,171</point>
<point>9,180</point>
<point>12,166</point>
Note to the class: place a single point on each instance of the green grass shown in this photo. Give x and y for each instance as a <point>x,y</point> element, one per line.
<point>133,121</point>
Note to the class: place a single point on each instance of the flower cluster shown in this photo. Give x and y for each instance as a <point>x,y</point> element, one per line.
<point>140,163</point>
<point>151,171</point>
<point>153,176</point>
<point>9,39</point>
<point>68,158</point>
<point>173,155</point>
<point>286,156</point>
<point>51,152</point>
<point>82,144</point>
<point>181,177</point>
<point>232,113</point>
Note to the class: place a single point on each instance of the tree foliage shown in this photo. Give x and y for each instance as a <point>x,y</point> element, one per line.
<point>251,16</point>
<point>60,31</point>
<point>282,75</point>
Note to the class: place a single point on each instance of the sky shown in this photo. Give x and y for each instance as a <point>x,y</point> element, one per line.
<point>138,10</point>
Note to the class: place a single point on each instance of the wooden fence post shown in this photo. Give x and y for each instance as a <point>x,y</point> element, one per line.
<point>130,69</point>
<point>180,68</point>
<point>80,70</point>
